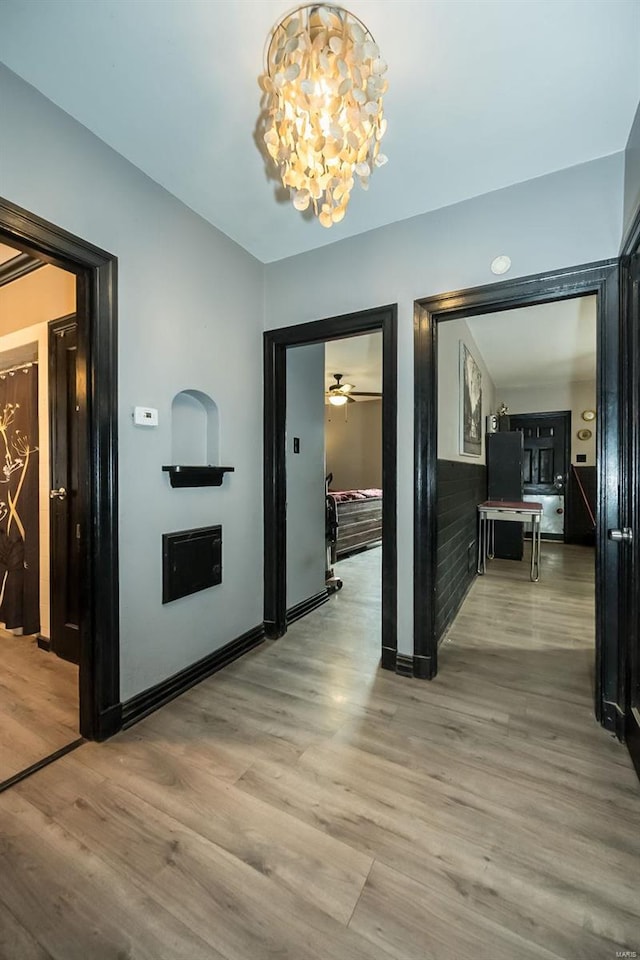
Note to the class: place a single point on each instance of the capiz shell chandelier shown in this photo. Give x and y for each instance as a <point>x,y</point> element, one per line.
<point>324,85</point>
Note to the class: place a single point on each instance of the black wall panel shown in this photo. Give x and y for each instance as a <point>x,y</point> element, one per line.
<point>461,487</point>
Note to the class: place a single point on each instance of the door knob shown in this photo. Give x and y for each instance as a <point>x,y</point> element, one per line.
<point>60,494</point>
<point>626,535</point>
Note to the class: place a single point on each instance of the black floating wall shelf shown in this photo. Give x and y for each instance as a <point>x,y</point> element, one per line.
<point>181,476</point>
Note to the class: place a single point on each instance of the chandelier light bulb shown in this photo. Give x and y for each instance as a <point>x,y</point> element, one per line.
<point>324,85</point>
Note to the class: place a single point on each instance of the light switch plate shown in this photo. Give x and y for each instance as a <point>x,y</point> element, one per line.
<point>145,416</point>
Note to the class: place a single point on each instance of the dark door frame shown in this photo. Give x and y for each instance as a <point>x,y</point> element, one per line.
<point>96,271</point>
<point>61,631</point>
<point>601,279</point>
<point>630,552</point>
<point>276,343</point>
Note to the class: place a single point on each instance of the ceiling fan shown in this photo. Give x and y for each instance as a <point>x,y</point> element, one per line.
<point>340,393</point>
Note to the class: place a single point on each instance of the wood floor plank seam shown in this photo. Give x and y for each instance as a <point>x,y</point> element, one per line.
<point>139,789</point>
<point>355,906</point>
<point>63,892</point>
<point>201,882</point>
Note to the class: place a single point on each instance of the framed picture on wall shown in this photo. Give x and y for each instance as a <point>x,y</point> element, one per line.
<point>470,404</point>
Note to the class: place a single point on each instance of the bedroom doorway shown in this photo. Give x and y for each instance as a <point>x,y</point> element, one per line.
<point>39,697</point>
<point>599,281</point>
<point>353,458</point>
<point>81,492</point>
<point>512,609</point>
<point>282,441</point>
<point>333,470</point>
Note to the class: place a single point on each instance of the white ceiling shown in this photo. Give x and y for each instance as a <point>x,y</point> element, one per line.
<point>481,95</point>
<point>358,359</point>
<point>545,344</point>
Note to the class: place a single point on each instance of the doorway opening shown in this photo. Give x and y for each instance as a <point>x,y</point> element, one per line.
<point>38,693</point>
<point>305,344</point>
<point>334,486</point>
<point>75,566</point>
<point>353,461</point>
<point>515,589</point>
<point>601,282</point>
<point>539,386</point>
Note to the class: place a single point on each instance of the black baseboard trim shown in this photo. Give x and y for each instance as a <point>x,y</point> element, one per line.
<point>404,664</point>
<point>306,606</point>
<point>632,736</point>
<point>388,659</point>
<point>613,720</point>
<point>273,631</point>
<point>423,668</point>
<point>17,777</point>
<point>108,722</point>
<point>44,643</point>
<point>149,700</point>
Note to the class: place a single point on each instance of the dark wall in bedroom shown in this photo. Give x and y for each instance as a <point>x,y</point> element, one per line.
<point>461,487</point>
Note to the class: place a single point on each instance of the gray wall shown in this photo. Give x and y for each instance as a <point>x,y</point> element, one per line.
<point>190,317</point>
<point>449,390</point>
<point>191,310</point>
<point>560,220</point>
<point>306,558</point>
<point>632,173</point>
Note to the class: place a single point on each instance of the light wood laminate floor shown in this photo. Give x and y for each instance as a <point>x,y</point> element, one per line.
<point>38,704</point>
<point>303,804</point>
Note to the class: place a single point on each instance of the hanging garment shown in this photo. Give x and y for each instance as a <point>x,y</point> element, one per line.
<point>19,508</point>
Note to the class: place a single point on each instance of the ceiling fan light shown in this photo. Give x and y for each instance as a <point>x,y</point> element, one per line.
<point>338,399</point>
<point>324,85</point>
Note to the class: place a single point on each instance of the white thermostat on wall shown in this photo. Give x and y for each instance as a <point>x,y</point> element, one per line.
<point>145,416</point>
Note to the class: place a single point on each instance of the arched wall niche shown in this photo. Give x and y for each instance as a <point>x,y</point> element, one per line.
<point>195,429</point>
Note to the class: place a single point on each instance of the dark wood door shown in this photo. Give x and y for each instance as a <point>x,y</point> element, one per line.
<point>546,451</point>
<point>65,520</point>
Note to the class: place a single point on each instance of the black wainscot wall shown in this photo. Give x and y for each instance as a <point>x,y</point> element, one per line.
<point>461,487</point>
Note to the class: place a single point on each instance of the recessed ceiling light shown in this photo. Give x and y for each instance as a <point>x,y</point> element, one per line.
<point>500,265</point>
